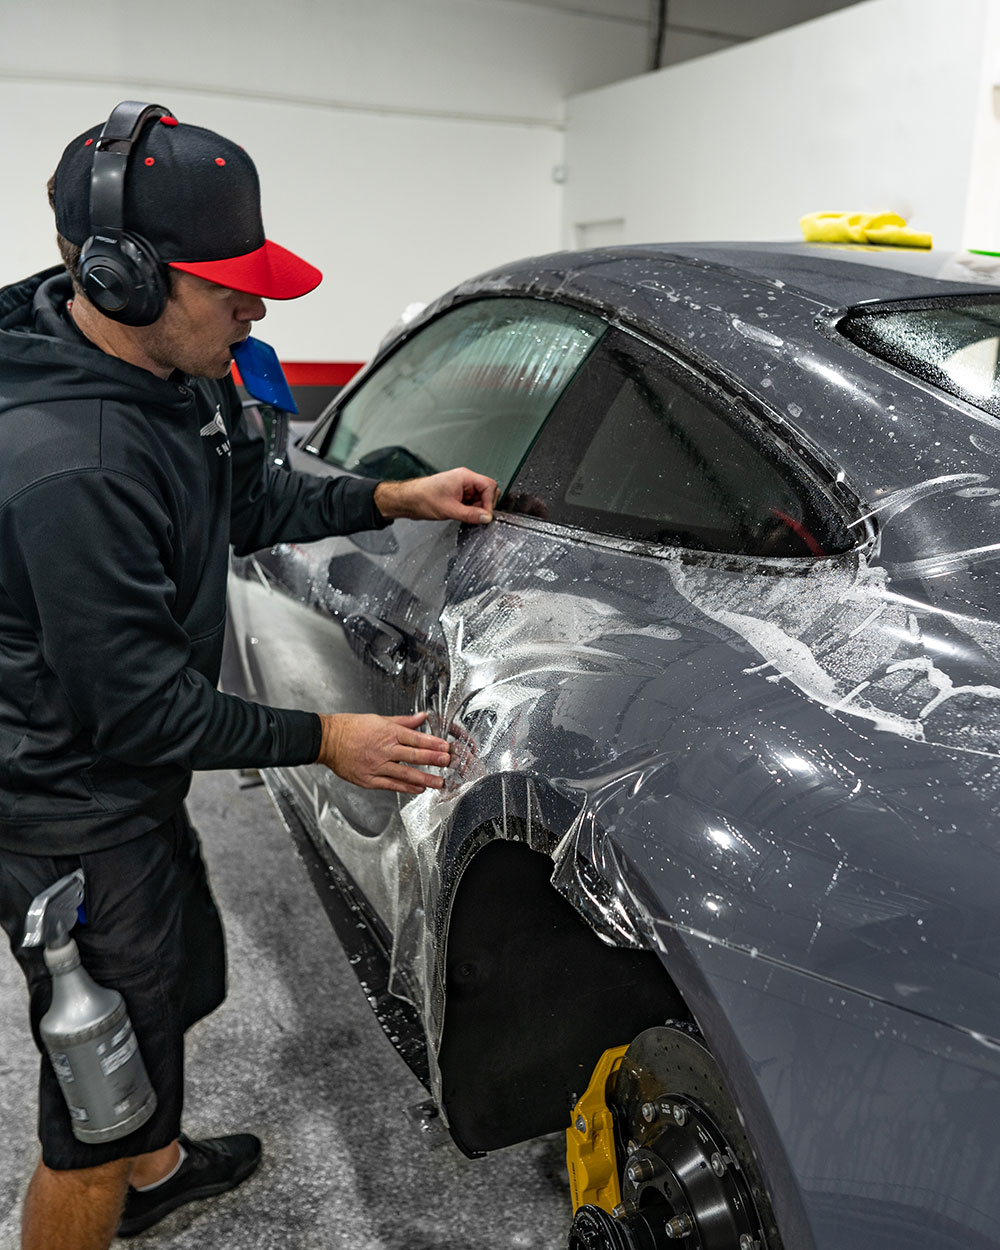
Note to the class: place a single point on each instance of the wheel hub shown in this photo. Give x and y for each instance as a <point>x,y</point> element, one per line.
<point>682,1170</point>
<point>684,1182</point>
<point>595,1229</point>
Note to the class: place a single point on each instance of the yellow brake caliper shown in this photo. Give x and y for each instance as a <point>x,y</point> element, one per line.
<point>590,1141</point>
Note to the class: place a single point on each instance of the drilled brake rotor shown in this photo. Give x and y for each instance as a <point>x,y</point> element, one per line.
<point>689,1177</point>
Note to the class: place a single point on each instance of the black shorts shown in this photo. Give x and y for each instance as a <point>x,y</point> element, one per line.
<point>153,933</point>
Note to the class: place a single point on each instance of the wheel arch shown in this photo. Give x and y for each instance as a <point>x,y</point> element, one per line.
<point>529,1006</point>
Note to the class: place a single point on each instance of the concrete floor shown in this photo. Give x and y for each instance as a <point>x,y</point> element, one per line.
<point>296,1056</point>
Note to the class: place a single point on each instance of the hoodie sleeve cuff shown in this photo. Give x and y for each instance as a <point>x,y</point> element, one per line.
<point>303,735</point>
<point>361,492</point>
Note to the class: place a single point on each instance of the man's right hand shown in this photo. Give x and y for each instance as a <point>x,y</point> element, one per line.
<point>383,752</point>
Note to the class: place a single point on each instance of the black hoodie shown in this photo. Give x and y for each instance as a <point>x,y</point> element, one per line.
<point>120,493</point>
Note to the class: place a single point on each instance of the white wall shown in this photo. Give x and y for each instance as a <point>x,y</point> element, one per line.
<point>982,223</point>
<point>874,107</point>
<point>402,144</point>
<point>405,144</point>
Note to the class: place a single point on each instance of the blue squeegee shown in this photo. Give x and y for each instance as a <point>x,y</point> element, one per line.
<point>262,375</point>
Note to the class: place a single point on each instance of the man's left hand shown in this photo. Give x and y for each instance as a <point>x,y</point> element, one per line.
<point>457,495</point>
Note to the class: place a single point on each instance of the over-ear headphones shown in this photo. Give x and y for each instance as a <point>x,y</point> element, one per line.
<point>120,271</point>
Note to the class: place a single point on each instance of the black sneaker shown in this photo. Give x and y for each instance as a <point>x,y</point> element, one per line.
<point>211,1167</point>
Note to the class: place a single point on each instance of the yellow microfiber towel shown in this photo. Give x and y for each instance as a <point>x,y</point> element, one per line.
<point>872,228</point>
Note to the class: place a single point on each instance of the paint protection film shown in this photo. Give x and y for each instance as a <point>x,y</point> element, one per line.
<point>796,760</point>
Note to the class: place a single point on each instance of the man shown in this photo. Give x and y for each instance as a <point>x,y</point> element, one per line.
<point>124,477</point>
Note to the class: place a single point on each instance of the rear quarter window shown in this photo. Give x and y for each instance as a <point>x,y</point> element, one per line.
<point>952,344</point>
<point>644,448</point>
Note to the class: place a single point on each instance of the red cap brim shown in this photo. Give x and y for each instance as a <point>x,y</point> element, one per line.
<point>271,271</point>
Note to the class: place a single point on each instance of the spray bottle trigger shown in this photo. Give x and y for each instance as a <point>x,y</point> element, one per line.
<point>54,912</point>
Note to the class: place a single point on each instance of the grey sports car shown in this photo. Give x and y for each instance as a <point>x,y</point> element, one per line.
<point>714,881</point>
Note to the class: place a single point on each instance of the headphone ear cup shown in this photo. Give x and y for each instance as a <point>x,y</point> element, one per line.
<point>124,279</point>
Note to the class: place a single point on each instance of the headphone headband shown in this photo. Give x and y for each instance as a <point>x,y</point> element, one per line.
<point>111,156</point>
<point>120,272</point>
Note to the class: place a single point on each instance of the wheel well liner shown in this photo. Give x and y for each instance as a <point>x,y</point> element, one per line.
<point>533,998</point>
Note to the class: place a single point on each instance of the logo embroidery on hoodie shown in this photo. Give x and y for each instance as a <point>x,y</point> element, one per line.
<point>217,426</point>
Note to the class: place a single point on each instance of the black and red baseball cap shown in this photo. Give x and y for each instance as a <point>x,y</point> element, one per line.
<point>195,198</point>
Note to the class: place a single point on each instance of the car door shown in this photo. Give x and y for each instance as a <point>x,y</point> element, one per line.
<point>351,624</point>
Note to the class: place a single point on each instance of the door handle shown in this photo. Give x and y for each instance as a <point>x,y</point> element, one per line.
<point>375,641</point>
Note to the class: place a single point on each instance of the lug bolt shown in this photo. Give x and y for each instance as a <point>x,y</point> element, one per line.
<point>649,1111</point>
<point>581,1124</point>
<point>640,1170</point>
<point>624,1209</point>
<point>680,1226</point>
<point>632,1146</point>
<point>719,1164</point>
<point>680,1115</point>
<point>747,1242</point>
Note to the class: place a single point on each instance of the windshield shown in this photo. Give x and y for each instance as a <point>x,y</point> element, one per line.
<point>952,345</point>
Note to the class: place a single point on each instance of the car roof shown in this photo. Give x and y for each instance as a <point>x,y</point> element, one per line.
<point>848,273</point>
<point>832,274</point>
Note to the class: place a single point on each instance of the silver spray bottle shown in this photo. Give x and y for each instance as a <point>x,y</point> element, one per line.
<point>86,1030</point>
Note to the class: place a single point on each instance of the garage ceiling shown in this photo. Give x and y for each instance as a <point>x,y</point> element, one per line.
<point>696,27</point>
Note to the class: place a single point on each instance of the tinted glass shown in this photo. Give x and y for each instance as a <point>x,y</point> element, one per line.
<point>643,449</point>
<point>954,346</point>
<point>472,388</point>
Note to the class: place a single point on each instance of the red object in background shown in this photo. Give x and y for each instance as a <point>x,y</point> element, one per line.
<point>315,373</point>
<point>314,383</point>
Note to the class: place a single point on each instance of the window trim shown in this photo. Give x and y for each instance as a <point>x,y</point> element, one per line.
<point>732,561</point>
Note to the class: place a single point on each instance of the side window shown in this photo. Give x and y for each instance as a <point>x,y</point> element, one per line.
<point>472,388</point>
<point>643,449</point>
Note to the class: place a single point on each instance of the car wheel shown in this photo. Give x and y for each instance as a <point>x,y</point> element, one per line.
<point>688,1172</point>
